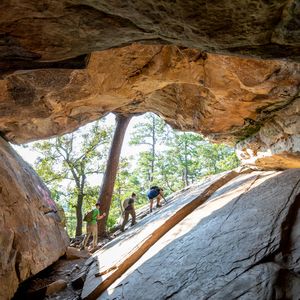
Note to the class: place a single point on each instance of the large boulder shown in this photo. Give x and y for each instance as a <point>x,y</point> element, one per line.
<point>242,243</point>
<point>31,236</point>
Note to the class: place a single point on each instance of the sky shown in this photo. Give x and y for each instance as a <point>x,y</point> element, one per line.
<point>127,150</point>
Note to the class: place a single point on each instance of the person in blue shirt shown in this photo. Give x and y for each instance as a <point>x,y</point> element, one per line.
<point>155,192</point>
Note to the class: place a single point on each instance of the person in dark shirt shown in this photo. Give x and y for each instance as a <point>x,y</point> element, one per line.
<point>128,205</point>
<point>155,192</point>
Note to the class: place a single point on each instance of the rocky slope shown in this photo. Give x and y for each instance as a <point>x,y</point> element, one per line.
<point>31,236</point>
<point>242,243</point>
<point>53,81</point>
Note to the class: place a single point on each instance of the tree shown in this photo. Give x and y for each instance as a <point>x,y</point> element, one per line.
<point>148,133</point>
<point>127,182</point>
<point>183,148</point>
<point>73,157</point>
<point>187,157</point>
<point>216,158</point>
<point>107,188</point>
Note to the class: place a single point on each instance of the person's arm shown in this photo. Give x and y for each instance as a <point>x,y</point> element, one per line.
<point>99,217</point>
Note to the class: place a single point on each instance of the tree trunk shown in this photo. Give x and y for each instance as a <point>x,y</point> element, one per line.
<point>110,174</point>
<point>79,214</point>
<point>186,168</point>
<point>153,149</point>
<point>119,195</point>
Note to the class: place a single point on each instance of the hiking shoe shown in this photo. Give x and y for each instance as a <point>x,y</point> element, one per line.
<point>132,224</point>
<point>158,205</point>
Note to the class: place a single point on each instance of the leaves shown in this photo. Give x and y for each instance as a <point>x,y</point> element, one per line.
<point>67,163</point>
<point>167,158</point>
<point>176,159</point>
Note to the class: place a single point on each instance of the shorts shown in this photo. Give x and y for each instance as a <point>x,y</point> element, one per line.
<point>152,194</point>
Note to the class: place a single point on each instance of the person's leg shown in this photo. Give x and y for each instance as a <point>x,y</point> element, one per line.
<point>158,198</point>
<point>95,234</point>
<point>133,221</point>
<point>126,216</point>
<point>87,236</point>
<point>151,204</point>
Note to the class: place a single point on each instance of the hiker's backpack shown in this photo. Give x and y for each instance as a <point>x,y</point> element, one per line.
<point>154,187</point>
<point>88,216</point>
<point>125,203</point>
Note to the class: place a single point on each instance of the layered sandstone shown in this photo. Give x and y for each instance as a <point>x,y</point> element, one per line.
<point>31,236</point>
<point>57,33</point>
<point>223,97</point>
<point>226,98</point>
<point>277,143</point>
<point>117,256</point>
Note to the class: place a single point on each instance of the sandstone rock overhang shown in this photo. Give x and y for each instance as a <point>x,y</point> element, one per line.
<point>225,97</point>
<point>52,31</point>
<point>54,79</point>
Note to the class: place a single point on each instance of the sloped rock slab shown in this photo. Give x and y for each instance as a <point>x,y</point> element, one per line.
<point>236,245</point>
<point>117,256</point>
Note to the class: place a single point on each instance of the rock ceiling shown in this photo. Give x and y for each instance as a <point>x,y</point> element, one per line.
<point>55,78</point>
<point>220,96</point>
<point>57,30</point>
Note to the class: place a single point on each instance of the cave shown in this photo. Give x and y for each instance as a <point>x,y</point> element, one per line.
<point>226,69</point>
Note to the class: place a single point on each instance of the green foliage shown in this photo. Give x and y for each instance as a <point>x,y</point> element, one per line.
<point>166,158</point>
<point>68,162</point>
<point>149,133</point>
<point>180,159</point>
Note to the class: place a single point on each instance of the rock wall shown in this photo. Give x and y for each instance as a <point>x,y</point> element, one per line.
<point>31,236</point>
<point>242,243</point>
<point>277,143</point>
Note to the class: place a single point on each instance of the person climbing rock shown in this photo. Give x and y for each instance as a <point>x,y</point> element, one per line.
<point>155,192</point>
<point>91,227</point>
<point>128,205</point>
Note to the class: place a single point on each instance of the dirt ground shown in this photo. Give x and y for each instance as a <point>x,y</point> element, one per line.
<point>62,269</point>
<point>66,269</point>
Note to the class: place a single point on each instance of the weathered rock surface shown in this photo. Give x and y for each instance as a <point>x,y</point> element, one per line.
<point>31,237</point>
<point>243,243</point>
<point>62,31</point>
<point>224,97</point>
<point>75,253</point>
<point>56,286</point>
<point>277,143</point>
<point>115,257</point>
